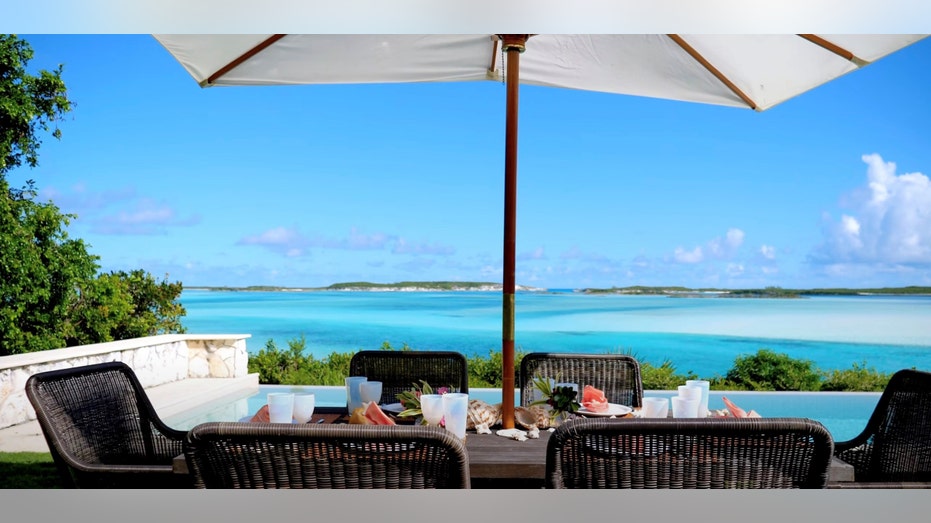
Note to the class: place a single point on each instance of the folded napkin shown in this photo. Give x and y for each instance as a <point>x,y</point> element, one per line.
<point>594,399</point>
<point>738,412</point>
<point>261,416</point>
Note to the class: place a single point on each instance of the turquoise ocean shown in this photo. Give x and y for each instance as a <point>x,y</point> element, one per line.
<point>701,335</point>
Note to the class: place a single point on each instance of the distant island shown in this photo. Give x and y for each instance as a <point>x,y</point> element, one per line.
<point>768,292</point>
<point>672,292</point>
<point>404,286</point>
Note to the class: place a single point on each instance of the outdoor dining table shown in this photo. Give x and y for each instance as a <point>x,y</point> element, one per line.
<point>501,462</point>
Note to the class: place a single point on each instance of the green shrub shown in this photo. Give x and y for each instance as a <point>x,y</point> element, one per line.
<point>858,378</point>
<point>768,370</point>
<point>663,377</point>
<point>765,370</point>
<point>488,372</point>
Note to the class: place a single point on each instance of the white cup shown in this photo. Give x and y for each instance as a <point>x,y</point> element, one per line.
<point>684,407</point>
<point>431,405</point>
<point>655,407</point>
<point>370,391</point>
<point>704,385</point>
<point>353,393</point>
<point>690,392</point>
<point>304,407</point>
<point>280,407</point>
<point>455,412</point>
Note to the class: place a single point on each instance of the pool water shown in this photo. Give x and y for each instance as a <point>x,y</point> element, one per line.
<point>844,414</point>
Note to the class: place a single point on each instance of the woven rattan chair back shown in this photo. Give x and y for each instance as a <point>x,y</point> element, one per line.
<point>772,453</point>
<point>400,370</point>
<point>277,455</point>
<point>102,430</point>
<point>895,445</point>
<point>617,375</point>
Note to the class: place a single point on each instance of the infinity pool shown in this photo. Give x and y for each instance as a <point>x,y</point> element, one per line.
<point>843,413</point>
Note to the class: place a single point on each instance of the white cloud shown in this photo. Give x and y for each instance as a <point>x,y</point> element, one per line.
<point>276,236</point>
<point>719,248</point>
<point>147,217</point>
<point>768,252</point>
<point>536,254</point>
<point>727,246</point>
<point>693,256</point>
<point>288,242</point>
<point>735,269</point>
<point>735,238</point>
<point>889,220</point>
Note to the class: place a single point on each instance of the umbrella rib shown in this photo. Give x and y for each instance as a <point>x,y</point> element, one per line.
<point>713,70</point>
<point>242,58</point>
<point>836,49</point>
<point>492,73</point>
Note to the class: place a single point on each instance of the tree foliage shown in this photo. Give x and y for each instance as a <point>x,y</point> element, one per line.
<point>28,104</point>
<point>51,294</point>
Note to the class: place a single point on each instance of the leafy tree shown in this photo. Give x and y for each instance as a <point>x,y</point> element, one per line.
<point>39,270</point>
<point>121,305</point>
<point>50,293</point>
<point>29,104</point>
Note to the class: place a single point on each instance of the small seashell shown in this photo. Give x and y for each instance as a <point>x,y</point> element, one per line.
<point>515,434</point>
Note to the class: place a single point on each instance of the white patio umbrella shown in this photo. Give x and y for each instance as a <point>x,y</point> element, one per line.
<point>748,71</point>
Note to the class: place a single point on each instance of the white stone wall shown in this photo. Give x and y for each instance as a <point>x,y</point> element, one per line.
<point>155,359</point>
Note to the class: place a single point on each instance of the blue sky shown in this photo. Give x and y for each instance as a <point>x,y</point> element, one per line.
<point>305,186</point>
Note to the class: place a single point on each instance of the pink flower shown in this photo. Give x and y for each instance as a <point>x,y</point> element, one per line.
<point>442,390</point>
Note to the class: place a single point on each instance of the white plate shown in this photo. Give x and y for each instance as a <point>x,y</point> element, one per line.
<point>394,408</point>
<point>613,410</point>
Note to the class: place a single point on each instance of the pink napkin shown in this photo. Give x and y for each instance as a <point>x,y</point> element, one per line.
<point>261,416</point>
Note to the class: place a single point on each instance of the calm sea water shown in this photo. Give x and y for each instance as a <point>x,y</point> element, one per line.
<point>702,335</point>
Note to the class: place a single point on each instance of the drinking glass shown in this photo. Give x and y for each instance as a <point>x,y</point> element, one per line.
<point>455,412</point>
<point>370,391</point>
<point>353,394</point>
<point>280,407</point>
<point>655,407</point>
<point>304,407</point>
<point>431,405</point>
<point>684,408</point>
<point>690,392</point>
<point>704,385</point>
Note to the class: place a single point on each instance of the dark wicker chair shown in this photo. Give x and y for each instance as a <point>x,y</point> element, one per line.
<point>278,455</point>
<point>617,375</point>
<point>689,454</point>
<point>400,370</point>
<point>102,430</point>
<point>895,446</point>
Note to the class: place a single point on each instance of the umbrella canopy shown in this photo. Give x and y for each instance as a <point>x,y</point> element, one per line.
<point>748,71</point>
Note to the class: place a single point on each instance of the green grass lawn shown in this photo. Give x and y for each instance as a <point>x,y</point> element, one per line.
<point>28,470</point>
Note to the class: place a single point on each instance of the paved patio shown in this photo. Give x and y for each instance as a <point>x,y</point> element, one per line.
<point>169,399</point>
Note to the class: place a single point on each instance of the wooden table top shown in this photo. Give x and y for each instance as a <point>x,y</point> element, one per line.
<point>496,460</point>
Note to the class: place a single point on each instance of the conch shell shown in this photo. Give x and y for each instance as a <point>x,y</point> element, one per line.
<point>534,416</point>
<point>482,416</point>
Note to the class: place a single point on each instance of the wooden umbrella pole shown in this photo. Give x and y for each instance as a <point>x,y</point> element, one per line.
<point>513,45</point>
